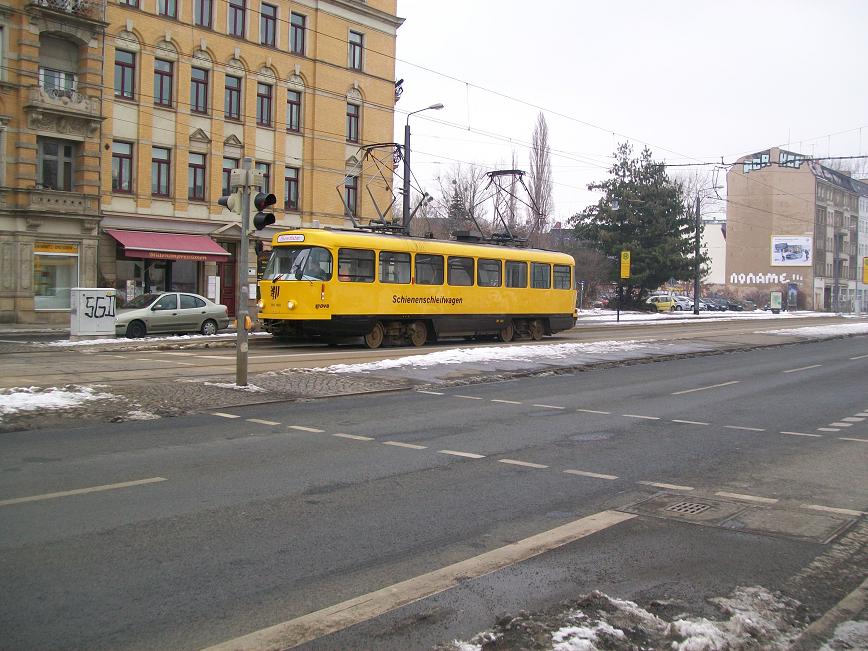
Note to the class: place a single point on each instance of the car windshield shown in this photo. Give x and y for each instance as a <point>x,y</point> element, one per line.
<point>141,301</point>
<point>299,263</point>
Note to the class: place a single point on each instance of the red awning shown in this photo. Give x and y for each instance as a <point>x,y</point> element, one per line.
<point>169,246</point>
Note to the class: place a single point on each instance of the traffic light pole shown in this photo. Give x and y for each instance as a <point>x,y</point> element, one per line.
<point>243,293</point>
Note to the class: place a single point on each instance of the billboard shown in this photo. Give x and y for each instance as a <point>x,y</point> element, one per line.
<point>791,251</point>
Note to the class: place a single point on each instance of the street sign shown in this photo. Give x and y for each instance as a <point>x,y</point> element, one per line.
<point>625,264</point>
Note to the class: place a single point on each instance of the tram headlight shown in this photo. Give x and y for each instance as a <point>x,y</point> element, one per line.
<point>260,304</point>
<point>290,305</point>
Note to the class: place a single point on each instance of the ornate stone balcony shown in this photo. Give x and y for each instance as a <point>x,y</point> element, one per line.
<point>56,201</point>
<point>64,112</point>
<point>83,9</point>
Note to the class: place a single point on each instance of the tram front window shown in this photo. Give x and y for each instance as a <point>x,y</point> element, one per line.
<point>299,263</point>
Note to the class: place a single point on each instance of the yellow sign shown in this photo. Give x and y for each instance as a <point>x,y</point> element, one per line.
<point>625,264</point>
<point>51,247</point>
<point>865,270</point>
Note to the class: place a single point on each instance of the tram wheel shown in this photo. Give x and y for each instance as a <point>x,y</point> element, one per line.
<point>537,329</point>
<point>507,333</point>
<point>374,339</point>
<point>417,333</point>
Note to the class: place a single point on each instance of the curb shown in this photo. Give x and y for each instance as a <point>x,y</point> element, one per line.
<point>849,608</point>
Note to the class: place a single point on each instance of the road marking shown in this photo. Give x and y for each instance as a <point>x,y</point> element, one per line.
<point>594,411</point>
<point>747,498</point>
<point>374,604</point>
<point>549,406</point>
<point>262,422</point>
<point>638,416</point>
<point>411,446</point>
<point>146,359</point>
<point>178,354</point>
<point>842,438</point>
<point>802,368</point>
<point>302,428</point>
<point>803,434</point>
<point>457,395</point>
<point>82,491</point>
<point>595,475</point>
<point>508,402</point>
<point>689,422</point>
<point>354,437</point>
<point>830,509</point>
<point>469,455</point>
<point>747,429</point>
<point>674,487</point>
<point>859,357</point>
<point>527,464</point>
<point>852,419</point>
<point>841,424</point>
<point>431,393</point>
<point>713,386</point>
<point>828,429</point>
<point>222,415</point>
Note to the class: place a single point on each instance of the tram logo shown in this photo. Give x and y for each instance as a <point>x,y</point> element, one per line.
<point>275,291</point>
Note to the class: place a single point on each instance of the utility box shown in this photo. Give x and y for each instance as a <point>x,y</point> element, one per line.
<point>92,312</point>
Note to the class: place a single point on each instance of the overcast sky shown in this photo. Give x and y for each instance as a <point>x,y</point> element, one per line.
<point>694,80</point>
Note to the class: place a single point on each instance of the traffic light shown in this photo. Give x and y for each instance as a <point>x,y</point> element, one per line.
<point>232,202</point>
<point>263,216</point>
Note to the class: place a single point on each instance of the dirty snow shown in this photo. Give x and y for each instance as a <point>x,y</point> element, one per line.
<point>823,332</point>
<point>139,414</point>
<point>148,340</point>
<point>19,399</point>
<point>250,388</point>
<point>848,635</point>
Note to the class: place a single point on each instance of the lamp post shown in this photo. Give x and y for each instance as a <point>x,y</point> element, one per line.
<point>405,213</point>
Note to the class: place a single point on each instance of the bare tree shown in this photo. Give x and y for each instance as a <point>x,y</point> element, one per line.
<point>540,177</point>
<point>702,182</point>
<point>460,197</point>
<point>857,168</point>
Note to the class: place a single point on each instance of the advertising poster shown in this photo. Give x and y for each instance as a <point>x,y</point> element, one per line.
<point>791,251</point>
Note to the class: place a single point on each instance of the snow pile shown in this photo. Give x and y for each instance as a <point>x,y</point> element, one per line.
<point>528,353</point>
<point>823,332</point>
<point>148,340</point>
<point>585,638</point>
<point>250,388</point>
<point>19,399</point>
<point>848,635</point>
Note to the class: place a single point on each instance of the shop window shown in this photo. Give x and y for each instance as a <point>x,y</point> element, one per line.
<point>562,276</point>
<point>459,271</point>
<point>488,273</point>
<point>394,267</point>
<point>541,275</point>
<point>356,265</point>
<point>55,271</point>
<point>516,274</point>
<point>429,269</point>
<point>55,163</point>
<point>296,33</point>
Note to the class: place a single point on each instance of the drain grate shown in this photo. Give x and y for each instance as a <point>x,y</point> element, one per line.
<point>688,508</point>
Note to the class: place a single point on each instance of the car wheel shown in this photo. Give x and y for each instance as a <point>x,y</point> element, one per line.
<point>136,330</point>
<point>209,327</point>
<point>677,308</point>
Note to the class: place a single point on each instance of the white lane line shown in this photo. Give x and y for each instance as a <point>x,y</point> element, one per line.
<point>261,422</point>
<point>365,607</point>
<point>802,368</point>
<point>593,411</point>
<point>469,455</point>
<point>747,429</point>
<point>431,393</point>
<point>223,415</point>
<point>859,357</point>
<point>354,437</point>
<point>595,475</point>
<point>831,509</point>
<point>819,436</point>
<point>508,402</point>
<point>457,395</point>
<point>526,464</point>
<point>81,491</point>
<point>302,428</point>
<point>674,487</point>
<point>842,438</point>
<point>638,416</point>
<point>841,424</point>
<point>410,446</point>
<point>549,407</point>
<point>852,419</point>
<point>713,386</point>
<point>689,422</point>
<point>828,429</point>
<point>747,498</point>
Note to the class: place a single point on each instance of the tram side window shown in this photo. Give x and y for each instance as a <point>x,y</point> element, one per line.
<point>516,274</point>
<point>562,276</point>
<point>460,272</point>
<point>542,275</point>
<point>394,267</point>
<point>488,273</point>
<point>356,265</point>
<point>429,269</point>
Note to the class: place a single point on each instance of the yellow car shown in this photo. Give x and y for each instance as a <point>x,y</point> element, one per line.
<point>662,303</point>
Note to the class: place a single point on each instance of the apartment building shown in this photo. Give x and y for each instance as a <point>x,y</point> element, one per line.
<point>50,121</point>
<point>793,226</point>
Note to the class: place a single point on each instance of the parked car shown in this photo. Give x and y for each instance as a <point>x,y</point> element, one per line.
<point>170,312</point>
<point>682,303</point>
<point>719,304</point>
<point>661,303</point>
<point>735,306</point>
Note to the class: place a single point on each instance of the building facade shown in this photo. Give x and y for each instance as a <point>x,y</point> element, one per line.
<point>793,226</point>
<point>181,92</point>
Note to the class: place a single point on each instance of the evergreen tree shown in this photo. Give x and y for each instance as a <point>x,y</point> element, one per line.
<point>642,211</point>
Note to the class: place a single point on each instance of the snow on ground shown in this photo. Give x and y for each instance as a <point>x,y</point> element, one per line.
<point>823,332</point>
<point>250,388</point>
<point>608,317</point>
<point>451,356</point>
<point>848,635</point>
<point>124,340</point>
<point>19,399</point>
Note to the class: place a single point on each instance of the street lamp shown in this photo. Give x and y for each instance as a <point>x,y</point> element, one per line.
<point>406,206</point>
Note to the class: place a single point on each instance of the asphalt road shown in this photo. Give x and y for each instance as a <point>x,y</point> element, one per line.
<point>243,519</point>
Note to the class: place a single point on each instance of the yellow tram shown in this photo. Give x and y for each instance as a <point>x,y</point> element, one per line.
<point>329,283</point>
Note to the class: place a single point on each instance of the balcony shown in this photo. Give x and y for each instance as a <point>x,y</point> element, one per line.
<point>90,10</point>
<point>63,112</point>
<point>39,200</point>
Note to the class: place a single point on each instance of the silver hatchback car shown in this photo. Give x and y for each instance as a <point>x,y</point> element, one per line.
<point>170,312</point>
